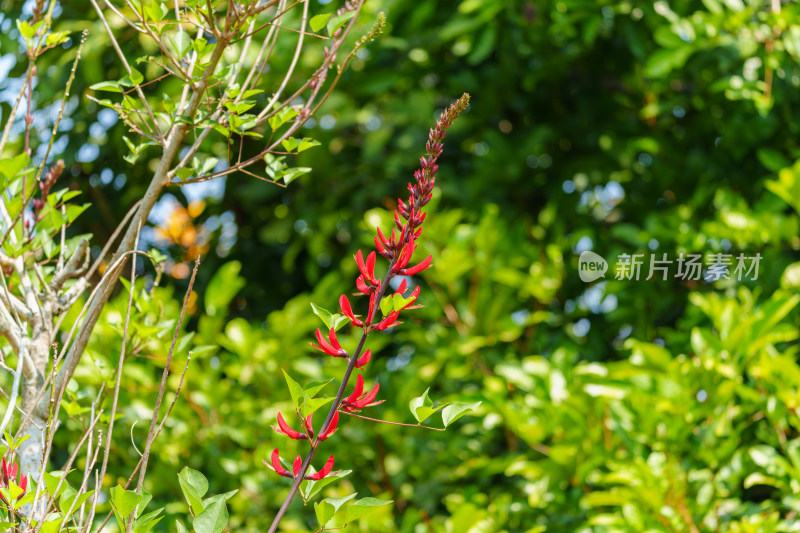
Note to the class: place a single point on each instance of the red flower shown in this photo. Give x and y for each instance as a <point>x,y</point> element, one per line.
<point>356,400</point>
<point>322,473</point>
<point>414,295</point>
<point>344,303</point>
<point>328,432</point>
<point>364,359</point>
<point>331,428</point>
<point>276,465</point>
<point>11,474</point>
<point>367,270</point>
<point>284,428</point>
<point>309,428</point>
<point>298,464</point>
<point>388,322</point>
<point>416,269</point>
<point>331,348</point>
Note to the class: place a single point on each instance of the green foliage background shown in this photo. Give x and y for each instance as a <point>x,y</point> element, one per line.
<point>625,127</point>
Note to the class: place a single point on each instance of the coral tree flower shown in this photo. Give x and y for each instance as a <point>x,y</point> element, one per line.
<point>284,428</point>
<point>10,474</point>
<point>398,248</point>
<point>347,311</point>
<point>328,432</point>
<point>358,400</point>
<point>275,464</point>
<point>326,469</point>
<point>330,346</point>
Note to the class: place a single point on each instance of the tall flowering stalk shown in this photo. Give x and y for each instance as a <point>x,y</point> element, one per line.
<point>398,248</point>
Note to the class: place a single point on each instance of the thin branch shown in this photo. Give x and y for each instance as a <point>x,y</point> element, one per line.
<point>164,376</point>
<point>12,401</point>
<point>392,423</point>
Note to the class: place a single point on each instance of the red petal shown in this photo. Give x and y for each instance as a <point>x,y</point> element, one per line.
<point>309,427</point>
<point>382,236</point>
<point>324,472</point>
<point>365,270</point>
<point>364,359</point>
<point>331,428</point>
<point>335,343</point>
<point>298,464</point>
<point>357,391</point>
<point>389,321</point>
<point>276,464</point>
<point>371,308</point>
<point>23,484</point>
<point>417,269</point>
<point>344,303</point>
<point>366,400</point>
<point>286,430</point>
<point>402,288</point>
<point>361,285</point>
<point>323,344</point>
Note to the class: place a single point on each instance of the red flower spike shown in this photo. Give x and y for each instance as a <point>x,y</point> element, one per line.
<point>331,428</point>
<point>389,321</point>
<point>284,428</point>
<point>276,464</point>
<point>416,269</point>
<point>23,484</point>
<point>309,427</point>
<point>298,464</point>
<point>364,359</point>
<point>322,473</point>
<point>344,303</point>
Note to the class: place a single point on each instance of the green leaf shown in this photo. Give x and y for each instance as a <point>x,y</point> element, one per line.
<point>136,76</point>
<point>180,527</point>
<point>318,22</point>
<point>10,167</point>
<point>386,305</point>
<point>309,489</point>
<point>311,405</point>
<point>314,387</point>
<point>51,480</point>
<point>337,21</point>
<point>307,143</point>
<point>213,519</point>
<point>295,390</point>
<point>330,320</point>
<point>123,503</point>
<point>291,174</point>
<point>456,410</point>
<point>110,86</point>
<point>194,486</point>
<point>290,143</point>
<point>327,508</point>
<point>148,521</point>
<point>359,508</point>
<point>422,407</point>
<point>220,497</point>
